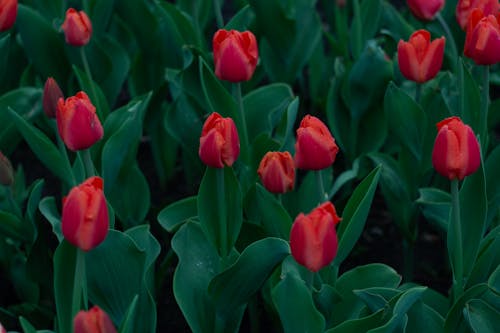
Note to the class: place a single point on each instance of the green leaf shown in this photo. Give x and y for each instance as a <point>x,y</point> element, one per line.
<point>14,227</point>
<point>355,214</point>
<point>49,210</point>
<point>127,325</point>
<point>363,324</point>
<point>33,201</point>
<point>423,318</point>
<point>487,260</point>
<point>175,214</point>
<point>64,271</point>
<point>494,280</point>
<point>275,219</point>
<point>372,300</point>
<point>26,325</point>
<point>101,104</point>
<point>371,11</point>
<point>481,317</point>
<point>492,183</point>
<point>371,275</point>
<point>435,204</point>
<point>242,20</point>
<point>454,321</point>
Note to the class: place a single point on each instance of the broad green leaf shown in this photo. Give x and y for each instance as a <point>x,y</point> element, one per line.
<point>241,20</point>
<point>371,275</point>
<point>487,260</point>
<point>454,321</point>
<point>423,318</point>
<point>127,325</point>
<point>371,11</point>
<point>49,210</point>
<point>175,214</point>
<point>494,280</point>
<point>492,184</point>
<point>14,227</point>
<point>435,205</point>
<point>26,325</point>
<point>275,219</point>
<point>363,324</point>
<point>372,300</point>
<point>64,271</point>
<point>101,104</point>
<point>481,317</point>
<point>33,201</point>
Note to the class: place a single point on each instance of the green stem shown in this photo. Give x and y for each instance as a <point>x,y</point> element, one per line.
<point>461,89</point>
<point>79,283</point>
<point>221,202</point>
<point>341,29</point>
<point>245,149</point>
<point>357,46</point>
<point>333,277</point>
<point>418,92</point>
<point>253,314</point>
<point>485,98</point>
<point>87,162</point>
<point>64,152</point>
<point>95,98</point>
<point>310,279</point>
<point>13,203</point>
<point>321,189</point>
<point>408,260</point>
<point>457,227</point>
<point>449,37</point>
<point>218,14</point>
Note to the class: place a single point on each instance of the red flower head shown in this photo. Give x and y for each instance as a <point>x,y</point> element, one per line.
<point>84,218</point>
<point>482,41</point>
<point>94,320</point>
<point>315,148</point>
<point>425,9</point>
<point>77,27</point>
<point>51,95</point>
<point>8,13</point>
<point>77,122</point>
<point>2,329</point>
<point>313,239</point>
<point>235,55</point>
<point>277,172</point>
<point>219,142</point>
<point>420,59</point>
<point>456,150</point>
<point>464,9</point>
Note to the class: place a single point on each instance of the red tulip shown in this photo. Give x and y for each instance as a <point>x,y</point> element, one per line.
<point>219,142</point>
<point>85,215</point>
<point>8,13</point>
<point>464,9</point>
<point>6,171</point>
<point>425,9</point>
<point>482,41</point>
<point>235,55</point>
<point>2,329</point>
<point>277,172</point>
<point>420,59</point>
<point>456,150</point>
<point>51,95</point>
<point>94,320</point>
<point>313,239</point>
<point>77,27</point>
<point>77,122</point>
<point>315,148</point>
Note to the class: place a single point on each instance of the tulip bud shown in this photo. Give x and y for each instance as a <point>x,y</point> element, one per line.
<point>6,171</point>
<point>8,13</point>
<point>464,9</point>
<point>51,95</point>
<point>425,9</point>
<point>235,55</point>
<point>315,148</point>
<point>277,172</point>
<point>482,41</point>
<point>84,218</point>
<point>420,59</point>
<point>94,320</point>
<point>219,142</point>
<point>77,122</point>
<point>456,149</point>
<point>77,27</point>
<point>313,239</point>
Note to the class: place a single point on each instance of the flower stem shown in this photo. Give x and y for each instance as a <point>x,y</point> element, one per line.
<point>449,38</point>
<point>218,14</point>
<point>408,260</point>
<point>95,98</point>
<point>457,235</point>
<point>221,202</point>
<point>13,203</point>
<point>418,92</point>
<point>245,149</point>
<point>64,153</point>
<point>321,189</point>
<point>79,283</point>
<point>87,162</point>
<point>485,98</point>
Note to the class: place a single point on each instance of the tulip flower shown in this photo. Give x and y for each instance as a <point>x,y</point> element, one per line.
<point>85,215</point>
<point>2,329</point>
<point>313,239</point>
<point>277,172</point>
<point>51,95</point>
<point>482,41</point>
<point>219,142</point>
<point>315,148</point>
<point>464,9</point>
<point>6,171</point>
<point>94,320</point>
<point>77,122</point>
<point>425,9</point>
<point>456,149</point>
<point>235,55</point>
<point>8,14</point>
<point>420,59</point>
<point>77,27</point>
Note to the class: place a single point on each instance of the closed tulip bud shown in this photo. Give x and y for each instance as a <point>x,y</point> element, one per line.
<point>420,59</point>
<point>456,150</point>
<point>77,122</point>
<point>85,215</point>
<point>51,95</point>
<point>313,239</point>
<point>219,142</point>
<point>464,9</point>
<point>6,171</point>
<point>482,41</point>
<point>235,55</point>
<point>277,172</point>
<point>2,329</point>
<point>8,13</point>
<point>315,148</point>
<point>425,9</point>
<point>77,27</point>
<point>94,320</point>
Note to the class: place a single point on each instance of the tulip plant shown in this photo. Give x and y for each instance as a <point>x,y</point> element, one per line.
<point>222,166</point>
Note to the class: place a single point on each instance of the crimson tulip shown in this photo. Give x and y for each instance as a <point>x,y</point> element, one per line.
<point>8,14</point>
<point>219,142</point>
<point>84,218</point>
<point>277,172</point>
<point>420,59</point>
<point>95,320</point>
<point>313,239</point>
<point>51,95</point>
<point>425,9</point>
<point>456,150</point>
<point>77,122</point>
<point>235,55</point>
<point>464,9</point>
<point>482,41</point>
<point>77,27</point>
<point>315,148</point>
